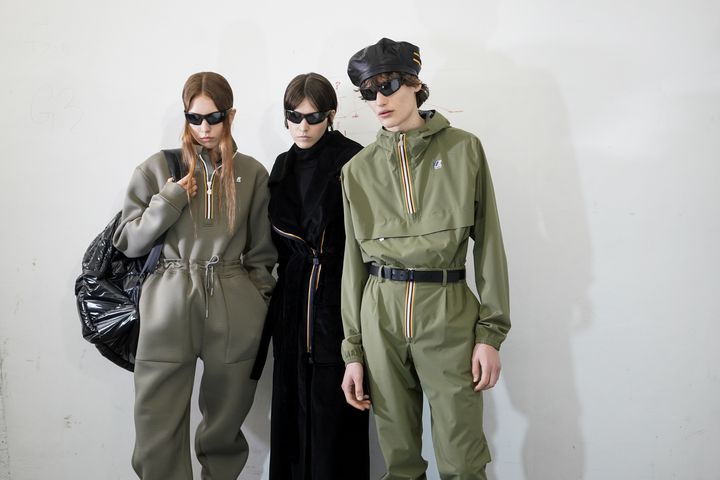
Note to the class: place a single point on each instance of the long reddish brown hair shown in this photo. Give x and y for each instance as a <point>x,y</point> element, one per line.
<point>215,87</point>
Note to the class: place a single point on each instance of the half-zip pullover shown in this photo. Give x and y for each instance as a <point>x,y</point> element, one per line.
<point>154,205</point>
<point>390,223</point>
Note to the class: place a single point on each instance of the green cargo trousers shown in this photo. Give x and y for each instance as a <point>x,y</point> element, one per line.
<point>189,310</point>
<point>419,337</point>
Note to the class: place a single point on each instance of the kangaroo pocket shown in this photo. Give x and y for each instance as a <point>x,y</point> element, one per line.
<point>165,330</point>
<point>246,310</point>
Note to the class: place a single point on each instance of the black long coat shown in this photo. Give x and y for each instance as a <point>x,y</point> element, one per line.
<point>314,433</point>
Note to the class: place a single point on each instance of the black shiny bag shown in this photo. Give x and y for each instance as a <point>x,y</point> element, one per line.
<point>107,292</point>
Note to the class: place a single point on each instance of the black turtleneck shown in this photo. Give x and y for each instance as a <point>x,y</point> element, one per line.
<point>306,162</point>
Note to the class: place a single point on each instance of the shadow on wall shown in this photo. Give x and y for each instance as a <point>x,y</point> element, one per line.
<point>521,117</point>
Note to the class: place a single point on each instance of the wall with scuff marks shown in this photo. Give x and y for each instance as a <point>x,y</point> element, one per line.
<point>601,123</point>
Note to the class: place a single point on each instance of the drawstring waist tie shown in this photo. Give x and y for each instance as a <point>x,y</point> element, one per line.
<point>210,268</point>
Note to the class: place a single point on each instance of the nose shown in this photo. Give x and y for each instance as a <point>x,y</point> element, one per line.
<point>205,126</point>
<point>380,99</point>
<point>304,125</point>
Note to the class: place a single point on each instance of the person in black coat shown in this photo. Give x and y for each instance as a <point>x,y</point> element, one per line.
<point>315,434</point>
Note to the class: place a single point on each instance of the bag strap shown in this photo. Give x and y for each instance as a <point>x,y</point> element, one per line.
<point>172,157</point>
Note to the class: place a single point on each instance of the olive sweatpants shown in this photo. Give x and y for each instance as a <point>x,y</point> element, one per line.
<point>193,310</point>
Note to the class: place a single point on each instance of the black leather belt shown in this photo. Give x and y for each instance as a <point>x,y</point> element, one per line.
<point>402,275</point>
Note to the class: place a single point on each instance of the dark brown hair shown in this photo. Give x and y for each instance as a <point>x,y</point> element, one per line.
<point>406,79</point>
<point>215,87</point>
<point>316,88</point>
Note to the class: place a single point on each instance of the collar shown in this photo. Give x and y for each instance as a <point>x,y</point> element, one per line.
<point>205,153</point>
<point>418,139</point>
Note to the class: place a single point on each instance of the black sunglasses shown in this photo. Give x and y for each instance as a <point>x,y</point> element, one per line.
<point>212,118</point>
<point>386,88</point>
<point>312,118</point>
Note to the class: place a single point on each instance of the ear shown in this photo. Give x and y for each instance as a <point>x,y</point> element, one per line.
<point>231,114</point>
<point>331,117</point>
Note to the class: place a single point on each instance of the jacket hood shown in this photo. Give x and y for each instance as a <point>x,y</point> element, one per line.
<point>417,139</point>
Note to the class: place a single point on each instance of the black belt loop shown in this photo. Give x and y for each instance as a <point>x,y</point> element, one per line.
<point>412,275</point>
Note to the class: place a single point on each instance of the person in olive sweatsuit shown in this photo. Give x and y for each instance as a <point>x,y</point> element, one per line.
<point>315,434</point>
<point>412,200</point>
<point>208,297</point>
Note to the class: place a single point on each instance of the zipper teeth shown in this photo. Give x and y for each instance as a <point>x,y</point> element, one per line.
<point>286,234</point>
<point>409,304</point>
<point>310,296</point>
<point>209,179</point>
<point>313,284</point>
<point>322,244</point>
<point>405,174</point>
<point>317,279</point>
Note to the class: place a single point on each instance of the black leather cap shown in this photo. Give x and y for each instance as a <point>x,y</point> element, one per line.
<point>385,56</point>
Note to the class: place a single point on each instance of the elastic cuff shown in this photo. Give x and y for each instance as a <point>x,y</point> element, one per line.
<point>352,353</point>
<point>482,336</point>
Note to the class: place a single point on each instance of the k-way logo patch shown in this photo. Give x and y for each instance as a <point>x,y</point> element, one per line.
<point>437,164</point>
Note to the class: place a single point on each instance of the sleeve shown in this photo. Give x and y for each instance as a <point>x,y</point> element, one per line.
<point>260,255</point>
<point>491,275</point>
<point>147,213</point>
<point>354,277</point>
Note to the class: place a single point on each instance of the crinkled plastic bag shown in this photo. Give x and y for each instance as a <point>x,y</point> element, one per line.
<point>108,293</point>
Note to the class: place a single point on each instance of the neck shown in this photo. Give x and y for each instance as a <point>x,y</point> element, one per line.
<point>413,123</point>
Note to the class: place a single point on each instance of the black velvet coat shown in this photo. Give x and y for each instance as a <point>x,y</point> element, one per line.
<point>314,433</point>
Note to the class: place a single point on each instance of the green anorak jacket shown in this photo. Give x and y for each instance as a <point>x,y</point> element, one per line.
<point>412,200</point>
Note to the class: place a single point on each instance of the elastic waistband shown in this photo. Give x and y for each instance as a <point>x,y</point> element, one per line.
<point>214,263</point>
<point>429,276</point>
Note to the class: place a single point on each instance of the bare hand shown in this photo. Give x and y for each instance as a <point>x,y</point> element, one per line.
<point>189,184</point>
<point>352,386</point>
<point>485,366</point>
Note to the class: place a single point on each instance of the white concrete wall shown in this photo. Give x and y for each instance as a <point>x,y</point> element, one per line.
<point>601,122</point>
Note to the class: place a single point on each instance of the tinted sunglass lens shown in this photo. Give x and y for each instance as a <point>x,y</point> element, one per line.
<point>368,93</point>
<point>215,118</point>
<point>193,118</point>
<point>293,116</point>
<point>315,117</point>
<point>389,87</point>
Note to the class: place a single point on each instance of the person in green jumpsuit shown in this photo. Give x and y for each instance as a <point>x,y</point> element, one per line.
<point>208,297</point>
<point>412,326</point>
